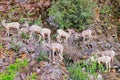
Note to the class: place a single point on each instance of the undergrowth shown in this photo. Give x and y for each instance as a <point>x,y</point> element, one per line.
<point>82,70</point>
<point>13,69</point>
<point>43,57</point>
<point>72,13</point>
<point>25,36</point>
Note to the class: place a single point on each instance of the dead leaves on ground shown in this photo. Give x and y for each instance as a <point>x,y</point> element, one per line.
<point>27,9</point>
<point>11,55</point>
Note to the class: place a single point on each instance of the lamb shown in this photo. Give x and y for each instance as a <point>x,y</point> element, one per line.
<point>44,32</point>
<point>109,53</point>
<point>62,33</point>
<point>8,26</point>
<point>55,47</point>
<point>106,60</point>
<point>35,28</point>
<point>41,31</point>
<point>85,34</point>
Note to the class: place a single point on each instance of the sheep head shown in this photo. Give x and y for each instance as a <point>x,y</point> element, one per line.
<point>3,22</point>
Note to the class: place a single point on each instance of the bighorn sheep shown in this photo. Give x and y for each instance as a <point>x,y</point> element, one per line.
<point>35,28</point>
<point>62,33</point>
<point>109,53</point>
<point>8,26</point>
<point>85,34</point>
<point>106,60</point>
<point>55,47</point>
<point>42,31</point>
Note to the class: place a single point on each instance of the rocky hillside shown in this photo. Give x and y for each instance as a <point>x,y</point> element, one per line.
<point>22,57</point>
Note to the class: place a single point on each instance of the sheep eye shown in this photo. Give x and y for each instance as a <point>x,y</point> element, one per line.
<point>113,36</point>
<point>38,67</point>
<point>10,34</point>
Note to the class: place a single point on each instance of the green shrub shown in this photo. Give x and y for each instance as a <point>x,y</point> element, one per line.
<point>38,21</point>
<point>25,36</point>
<point>77,73</point>
<point>12,69</point>
<point>1,46</point>
<point>43,57</point>
<point>105,13</point>
<point>15,45</point>
<point>105,10</point>
<point>22,20</point>
<point>32,77</point>
<point>53,37</point>
<point>93,66</point>
<point>72,13</point>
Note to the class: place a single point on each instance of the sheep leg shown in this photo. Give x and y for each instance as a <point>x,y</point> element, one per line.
<point>61,55</point>
<point>112,60</point>
<point>31,35</point>
<point>58,39</point>
<point>109,66</point>
<point>39,38</point>
<point>89,40</point>
<point>19,31</point>
<point>66,41</point>
<point>43,37</point>
<point>50,57</point>
<point>83,39</point>
<point>53,54</point>
<point>7,32</point>
<point>106,66</point>
<point>49,39</point>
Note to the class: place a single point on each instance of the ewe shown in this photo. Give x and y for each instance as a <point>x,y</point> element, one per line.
<point>41,31</point>
<point>8,26</point>
<point>109,53</point>
<point>103,59</point>
<point>86,34</point>
<point>44,32</point>
<point>55,47</point>
<point>35,28</point>
<point>106,60</point>
<point>61,33</point>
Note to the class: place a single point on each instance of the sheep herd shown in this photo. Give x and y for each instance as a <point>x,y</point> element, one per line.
<point>106,57</point>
